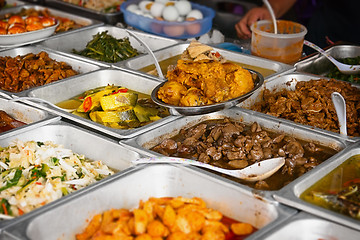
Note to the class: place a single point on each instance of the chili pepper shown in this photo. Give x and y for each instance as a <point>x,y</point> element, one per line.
<point>4,208</point>
<point>38,183</point>
<point>121,90</point>
<point>21,212</point>
<point>87,104</point>
<point>352,181</point>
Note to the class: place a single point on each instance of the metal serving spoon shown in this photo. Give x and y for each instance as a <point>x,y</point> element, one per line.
<point>256,172</point>
<point>344,68</point>
<point>20,99</point>
<point>156,62</point>
<point>340,107</point>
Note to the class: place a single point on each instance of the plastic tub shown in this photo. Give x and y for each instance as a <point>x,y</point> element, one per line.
<point>286,46</point>
<point>177,30</point>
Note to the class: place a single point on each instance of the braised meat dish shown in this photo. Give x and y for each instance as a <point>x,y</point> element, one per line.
<point>31,70</point>
<point>202,77</point>
<point>7,122</point>
<point>234,145</point>
<point>310,104</point>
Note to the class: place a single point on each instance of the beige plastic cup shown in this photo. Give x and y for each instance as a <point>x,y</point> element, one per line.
<point>286,46</point>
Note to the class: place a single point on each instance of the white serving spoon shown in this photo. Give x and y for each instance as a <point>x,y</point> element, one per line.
<point>344,68</point>
<point>156,62</point>
<point>272,14</point>
<point>340,107</point>
<point>256,172</point>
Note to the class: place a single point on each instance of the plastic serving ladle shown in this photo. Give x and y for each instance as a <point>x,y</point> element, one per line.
<point>344,68</point>
<point>149,51</point>
<point>256,172</point>
<point>272,14</point>
<point>340,107</point>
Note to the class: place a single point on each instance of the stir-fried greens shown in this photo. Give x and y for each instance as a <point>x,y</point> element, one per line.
<point>106,48</point>
<point>36,173</point>
<point>335,73</point>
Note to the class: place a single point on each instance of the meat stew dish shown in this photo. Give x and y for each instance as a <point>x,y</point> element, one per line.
<point>233,145</point>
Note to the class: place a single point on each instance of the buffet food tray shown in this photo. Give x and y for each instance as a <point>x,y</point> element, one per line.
<point>65,90</point>
<point>252,62</point>
<point>320,65</point>
<point>304,226</point>
<point>66,42</point>
<point>76,64</point>
<point>93,146</point>
<point>33,117</point>
<point>290,195</point>
<point>126,189</point>
<point>86,22</point>
<point>143,143</point>
<point>286,81</point>
<point>110,18</point>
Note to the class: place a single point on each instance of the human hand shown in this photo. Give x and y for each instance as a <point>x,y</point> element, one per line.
<point>243,26</point>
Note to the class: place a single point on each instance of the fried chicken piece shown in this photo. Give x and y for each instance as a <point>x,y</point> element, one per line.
<point>171,92</point>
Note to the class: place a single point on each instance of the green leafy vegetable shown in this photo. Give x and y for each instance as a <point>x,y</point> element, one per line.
<point>335,73</point>
<point>12,182</point>
<point>106,48</point>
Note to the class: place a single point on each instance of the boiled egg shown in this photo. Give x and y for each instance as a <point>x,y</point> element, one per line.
<point>183,7</point>
<point>194,14</point>
<point>132,7</point>
<point>170,14</point>
<point>145,6</point>
<point>162,1</point>
<point>156,9</point>
<point>174,31</point>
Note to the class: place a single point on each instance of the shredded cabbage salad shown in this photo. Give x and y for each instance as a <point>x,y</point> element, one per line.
<point>33,174</point>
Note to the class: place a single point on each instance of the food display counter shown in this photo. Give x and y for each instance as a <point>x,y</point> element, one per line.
<point>65,161</point>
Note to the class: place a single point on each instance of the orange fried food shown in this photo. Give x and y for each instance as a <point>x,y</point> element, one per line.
<point>32,20</point>
<point>4,24</point>
<point>3,31</point>
<point>47,21</point>
<point>15,29</point>
<point>161,218</point>
<point>16,19</point>
<point>34,26</point>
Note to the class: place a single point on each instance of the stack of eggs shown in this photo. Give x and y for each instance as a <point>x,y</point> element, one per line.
<point>170,18</point>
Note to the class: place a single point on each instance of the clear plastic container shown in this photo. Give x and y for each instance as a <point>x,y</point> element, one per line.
<point>177,30</point>
<point>286,46</point>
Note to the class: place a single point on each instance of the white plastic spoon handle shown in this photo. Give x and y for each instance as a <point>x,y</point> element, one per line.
<point>158,68</point>
<point>340,107</point>
<point>272,14</point>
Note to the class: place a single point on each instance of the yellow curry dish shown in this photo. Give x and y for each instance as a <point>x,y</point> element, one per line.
<point>204,77</point>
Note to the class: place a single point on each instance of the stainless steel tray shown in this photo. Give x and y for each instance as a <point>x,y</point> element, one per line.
<point>13,3</point>
<point>144,142</point>
<point>285,81</point>
<point>65,90</point>
<point>140,183</point>
<point>93,146</point>
<point>66,42</point>
<point>76,64</point>
<point>320,65</point>
<point>110,18</point>
<point>304,226</point>
<point>248,61</point>
<point>33,117</point>
<point>86,22</point>
<point>290,195</point>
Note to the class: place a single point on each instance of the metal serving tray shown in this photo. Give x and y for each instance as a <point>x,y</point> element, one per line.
<point>76,64</point>
<point>246,60</point>
<point>290,195</point>
<point>154,180</point>
<point>304,226</point>
<point>13,3</point>
<point>66,42</point>
<point>144,142</point>
<point>110,18</point>
<point>93,146</point>
<point>320,65</point>
<point>33,117</point>
<point>61,91</point>
<point>86,22</point>
<point>285,81</point>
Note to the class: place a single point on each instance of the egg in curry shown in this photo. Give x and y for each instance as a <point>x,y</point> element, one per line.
<point>203,77</point>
